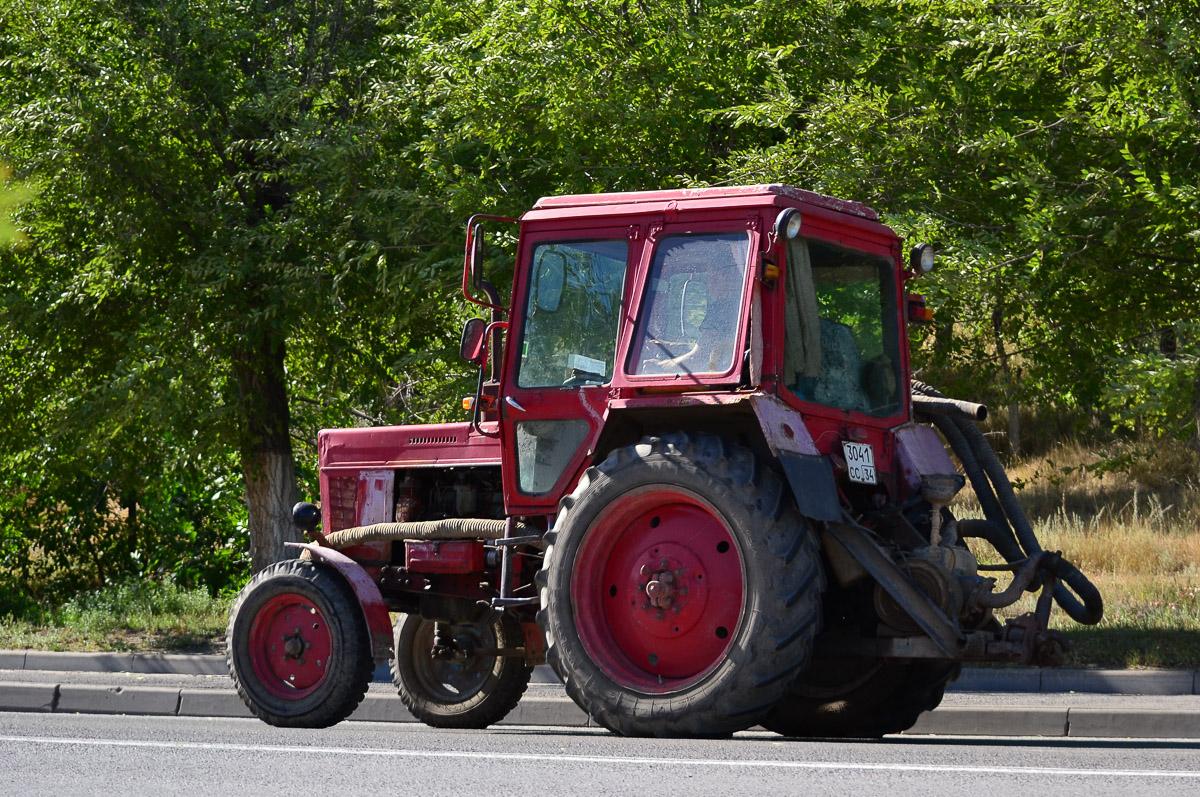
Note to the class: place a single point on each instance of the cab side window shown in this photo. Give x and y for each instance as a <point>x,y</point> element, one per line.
<point>841,344</point>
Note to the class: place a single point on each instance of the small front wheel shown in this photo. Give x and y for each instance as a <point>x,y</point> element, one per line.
<point>297,646</point>
<point>463,677</point>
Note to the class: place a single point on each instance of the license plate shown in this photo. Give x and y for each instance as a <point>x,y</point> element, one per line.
<point>860,462</point>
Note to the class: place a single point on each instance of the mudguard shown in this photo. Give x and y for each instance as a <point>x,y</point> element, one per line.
<point>369,597</point>
<point>809,474</point>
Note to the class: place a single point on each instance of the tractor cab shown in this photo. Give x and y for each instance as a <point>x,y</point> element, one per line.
<point>628,308</point>
<point>842,340</point>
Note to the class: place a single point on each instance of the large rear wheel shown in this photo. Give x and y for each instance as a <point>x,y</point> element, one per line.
<point>860,698</point>
<point>459,678</point>
<point>680,589</point>
<point>297,646</point>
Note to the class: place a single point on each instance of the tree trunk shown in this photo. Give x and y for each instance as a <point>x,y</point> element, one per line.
<point>270,494</point>
<point>1196,410</point>
<point>266,448</point>
<point>943,340</point>
<point>1010,382</point>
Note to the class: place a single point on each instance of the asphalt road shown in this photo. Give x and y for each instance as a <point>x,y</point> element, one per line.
<point>51,754</point>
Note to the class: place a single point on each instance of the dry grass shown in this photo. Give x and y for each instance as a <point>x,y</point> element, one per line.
<point>1134,533</point>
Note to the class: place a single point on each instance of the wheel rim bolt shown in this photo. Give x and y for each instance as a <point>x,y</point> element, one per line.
<point>661,590</point>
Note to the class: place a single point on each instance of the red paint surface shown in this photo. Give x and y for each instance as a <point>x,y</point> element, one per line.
<point>463,556</point>
<point>290,617</point>
<point>640,219</point>
<point>640,538</point>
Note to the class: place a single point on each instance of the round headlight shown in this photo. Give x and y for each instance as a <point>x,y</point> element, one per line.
<point>787,223</point>
<point>921,259</point>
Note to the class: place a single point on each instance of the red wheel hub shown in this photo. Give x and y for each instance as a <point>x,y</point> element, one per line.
<point>290,644</point>
<point>658,589</point>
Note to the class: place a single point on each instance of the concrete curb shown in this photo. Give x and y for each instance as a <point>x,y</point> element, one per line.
<point>973,679</point>
<point>28,697</point>
<point>1059,681</point>
<point>93,699</point>
<point>143,663</point>
<point>559,711</point>
<point>1148,724</point>
<point>211,703</point>
<point>1045,722</point>
<point>1059,722</point>
<point>992,721</point>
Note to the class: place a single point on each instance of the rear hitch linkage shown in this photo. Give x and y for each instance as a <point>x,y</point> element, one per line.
<point>1007,527</point>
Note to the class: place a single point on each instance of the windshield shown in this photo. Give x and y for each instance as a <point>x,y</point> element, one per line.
<point>842,341</point>
<point>690,316</point>
<point>570,332</point>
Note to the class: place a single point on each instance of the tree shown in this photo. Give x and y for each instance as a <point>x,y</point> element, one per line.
<point>249,215</point>
<point>1049,147</point>
<point>216,196</point>
<point>521,100</point>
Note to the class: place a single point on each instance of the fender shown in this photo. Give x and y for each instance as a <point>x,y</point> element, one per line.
<point>808,473</point>
<point>375,612</point>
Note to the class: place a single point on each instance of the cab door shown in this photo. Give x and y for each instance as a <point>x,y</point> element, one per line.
<point>570,290</point>
<point>691,326</point>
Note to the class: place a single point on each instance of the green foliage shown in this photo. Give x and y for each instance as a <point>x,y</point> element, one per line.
<point>11,198</point>
<point>221,201</point>
<point>1049,148</point>
<point>521,100</point>
<point>247,224</point>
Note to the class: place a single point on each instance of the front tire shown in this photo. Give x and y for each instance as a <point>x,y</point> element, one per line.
<point>681,589</point>
<point>470,690</point>
<point>297,646</point>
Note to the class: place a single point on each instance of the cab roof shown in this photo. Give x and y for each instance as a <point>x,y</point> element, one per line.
<point>768,194</point>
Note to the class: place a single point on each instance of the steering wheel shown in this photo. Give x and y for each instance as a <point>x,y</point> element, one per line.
<point>581,378</point>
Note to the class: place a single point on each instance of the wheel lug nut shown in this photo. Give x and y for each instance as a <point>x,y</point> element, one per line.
<point>647,570</point>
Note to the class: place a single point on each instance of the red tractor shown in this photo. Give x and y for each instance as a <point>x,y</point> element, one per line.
<point>693,482</point>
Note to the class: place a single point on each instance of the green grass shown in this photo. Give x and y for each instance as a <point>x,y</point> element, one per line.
<point>134,616</point>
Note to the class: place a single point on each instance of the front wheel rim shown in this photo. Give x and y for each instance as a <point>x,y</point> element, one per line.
<point>658,589</point>
<point>290,646</point>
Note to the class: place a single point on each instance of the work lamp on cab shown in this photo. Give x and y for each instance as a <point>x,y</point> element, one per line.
<point>787,223</point>
<point>921,258</point>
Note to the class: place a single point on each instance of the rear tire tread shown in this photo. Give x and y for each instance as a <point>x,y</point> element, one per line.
<point>778,623</point>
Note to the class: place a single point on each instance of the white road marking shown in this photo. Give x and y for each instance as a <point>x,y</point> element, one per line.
<point>581,759</point>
